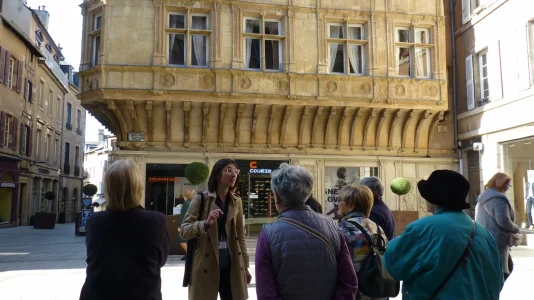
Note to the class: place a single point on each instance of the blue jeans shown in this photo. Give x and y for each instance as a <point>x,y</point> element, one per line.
<point>530,204</point>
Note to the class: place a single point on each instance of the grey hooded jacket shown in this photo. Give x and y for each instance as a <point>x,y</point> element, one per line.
<point>494,211</point>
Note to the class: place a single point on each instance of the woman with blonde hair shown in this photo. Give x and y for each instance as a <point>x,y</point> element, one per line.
<point>495,212</point>
<point>355,203</point>
<point>126,245</point>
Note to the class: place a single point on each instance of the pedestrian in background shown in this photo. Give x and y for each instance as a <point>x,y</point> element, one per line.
<point>221,262</point>
<point>126,245</point>
<point>495,212</point>
<point>314,204</point>
<point>188,195</point>
<point>380,213</point>
<point>302,255</point>
<point>355,203</point>
<point>447,255</point>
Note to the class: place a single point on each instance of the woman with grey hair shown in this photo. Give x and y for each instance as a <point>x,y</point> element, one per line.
<point>301,244</point>
<point>380,213</point>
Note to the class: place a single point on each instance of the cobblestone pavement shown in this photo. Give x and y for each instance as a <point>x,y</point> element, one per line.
<point>50,265</point>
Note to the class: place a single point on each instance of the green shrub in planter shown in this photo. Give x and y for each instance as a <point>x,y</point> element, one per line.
<point>50,195</point>
<point>90,189</point>
<point>400,186</point>
<point>196,173</point>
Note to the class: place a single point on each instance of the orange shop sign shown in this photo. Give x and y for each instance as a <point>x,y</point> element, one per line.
<point>163,179</point>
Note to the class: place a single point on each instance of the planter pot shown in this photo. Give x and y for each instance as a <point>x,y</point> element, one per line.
<point>403,218</point>
<point>45,221</point>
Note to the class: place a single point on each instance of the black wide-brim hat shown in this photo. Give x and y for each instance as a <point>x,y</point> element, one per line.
<point>446,189</point>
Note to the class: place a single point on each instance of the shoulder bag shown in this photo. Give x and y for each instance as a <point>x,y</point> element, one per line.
<point>462,259</point>
<point>191,244</point>
<point>373,279</point>
<point>311,231</point>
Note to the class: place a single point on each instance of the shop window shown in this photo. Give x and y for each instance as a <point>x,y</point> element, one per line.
<point>263,36</point>
<point>191,30</point>
<point>346,40</point>
<point>413,52</point>
<point>338,177</point>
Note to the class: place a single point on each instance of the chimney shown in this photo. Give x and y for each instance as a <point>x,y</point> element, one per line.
<point>100,135</point>
<point>43,15</point>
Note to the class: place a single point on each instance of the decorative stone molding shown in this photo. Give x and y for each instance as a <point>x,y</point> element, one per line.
<point>168,80</point>
<point>331,87</point>
<point>282,86</point>
<point>206,82</point>
<point>246,83</point>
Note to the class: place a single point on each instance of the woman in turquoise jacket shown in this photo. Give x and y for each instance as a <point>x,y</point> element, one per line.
<point>429,248</point>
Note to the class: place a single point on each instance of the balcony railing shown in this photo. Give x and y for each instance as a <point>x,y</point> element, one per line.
<point>78,131</point>
<point>76,170</point>
<point>66,169</point>
<point>69,126</point>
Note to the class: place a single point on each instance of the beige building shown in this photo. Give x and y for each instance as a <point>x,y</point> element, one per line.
<point>345,88</point>
<point>31,100</point>
<point>495,93</point>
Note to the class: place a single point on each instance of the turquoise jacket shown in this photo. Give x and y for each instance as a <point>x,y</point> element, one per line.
<point>429,248</point>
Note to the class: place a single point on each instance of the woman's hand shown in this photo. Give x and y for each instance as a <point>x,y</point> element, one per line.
<point>249,277</point>
<point>213,216</point>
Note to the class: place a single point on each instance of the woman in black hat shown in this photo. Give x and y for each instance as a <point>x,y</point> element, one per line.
<point>446,255</point>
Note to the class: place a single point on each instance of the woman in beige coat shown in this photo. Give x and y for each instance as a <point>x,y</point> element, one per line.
<point>220,259</point>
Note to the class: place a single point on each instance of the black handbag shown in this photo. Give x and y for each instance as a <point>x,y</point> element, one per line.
<point>373,279</point>
<point>191,244</point>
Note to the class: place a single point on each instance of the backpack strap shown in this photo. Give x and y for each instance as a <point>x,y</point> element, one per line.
<point>364,232</point>
<point>311,231</point>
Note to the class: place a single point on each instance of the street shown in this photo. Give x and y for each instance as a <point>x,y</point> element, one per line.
<point>50,265</point>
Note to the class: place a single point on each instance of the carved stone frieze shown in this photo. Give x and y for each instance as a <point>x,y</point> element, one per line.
<point>168,80</point>
<point>282,86</point>
<point>245,83</point>
<point>206,82</point>
<point>331,87</point>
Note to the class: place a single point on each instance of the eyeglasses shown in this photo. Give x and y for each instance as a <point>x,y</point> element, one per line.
<point>231,171</point>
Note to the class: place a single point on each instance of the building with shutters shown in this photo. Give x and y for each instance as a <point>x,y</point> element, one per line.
<point>347,89</point>
<point>495,93</point>
<point>32,92</point>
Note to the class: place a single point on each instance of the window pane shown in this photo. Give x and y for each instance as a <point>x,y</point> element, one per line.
<point>336,32</point>
<point>252,26</point>
<point>272,28</point>
<point>422,36</point>
<point>337,58</point>
<point>252,53</point>
<point>272,55</point>
<point>403,35</point>
<point>421,62</point>
<point>199,50</point>
<point>355,33</point>
<point>199,22</point>
<point>177,21</point>
<point>176,49</point>
<point>356,59</point>
<point>403,62</point>
<point>96,50</point>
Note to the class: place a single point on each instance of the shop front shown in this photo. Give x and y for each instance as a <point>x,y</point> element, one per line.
<point>9,185</point>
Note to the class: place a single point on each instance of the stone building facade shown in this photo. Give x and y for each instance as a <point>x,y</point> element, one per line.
<point>345,88</point>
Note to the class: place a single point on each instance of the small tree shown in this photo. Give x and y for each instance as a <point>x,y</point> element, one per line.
<point>49,196</point>
<point>90,189</point>
<point>196,173</point>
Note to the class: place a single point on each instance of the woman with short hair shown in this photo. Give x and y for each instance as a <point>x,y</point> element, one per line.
<point>495,212</point>
<point>355,204</point>
<point>126,245</point>
<point>220,264</point>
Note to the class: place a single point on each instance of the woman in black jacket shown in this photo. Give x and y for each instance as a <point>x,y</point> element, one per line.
<point>126,245</point>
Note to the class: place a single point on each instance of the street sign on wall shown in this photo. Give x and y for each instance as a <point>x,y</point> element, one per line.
<point>136,136</point>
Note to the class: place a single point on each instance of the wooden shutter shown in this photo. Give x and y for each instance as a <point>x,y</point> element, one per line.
<point>7,67</point>
<point>14,137</point>
<point>21,138</point>
<point>2,117</point>
<point>29,142</point>
<point>466,11</point>
<point>11,134</point>
<point>25,88</point>
<point>20,68</point>
<point>2,63</point>
<point>469,83</point>
<point>494,70</point>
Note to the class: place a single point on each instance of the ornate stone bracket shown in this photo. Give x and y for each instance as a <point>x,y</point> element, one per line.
<point>422,118</point>
<point>355,117</point>
<point>331,116</point>
<point>205,122</point>
<point>187,122</point>
<point>240,109</point>
<point>392,127</point>
<point>257,109</point>
<point>222,116</point>
<point>168,109</point>
<point>303,118</point>
<point>284,125</point>
<point>372,116</point>
<point>150,121</point>
<point>271,122</point>
<point>382,117</point>
<point>437,118</point>
<point>340,127</point>
<point>133,115</point>
<point>409,116</point>
<point>318,114</point>
<point>113,107</point>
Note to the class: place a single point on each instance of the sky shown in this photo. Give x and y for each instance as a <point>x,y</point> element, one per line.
<point>65,27</point>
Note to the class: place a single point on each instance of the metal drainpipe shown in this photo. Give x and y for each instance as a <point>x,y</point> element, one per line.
<point>455,84</point>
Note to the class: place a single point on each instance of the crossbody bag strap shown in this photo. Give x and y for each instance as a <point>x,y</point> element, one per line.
<point>462,259</point>
<point>201,206</point>
<point>311,231</point>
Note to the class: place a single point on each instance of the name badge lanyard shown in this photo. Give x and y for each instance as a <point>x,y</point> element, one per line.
<point>222,233</point>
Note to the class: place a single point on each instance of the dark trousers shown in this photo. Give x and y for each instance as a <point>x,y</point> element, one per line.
<point>225,288</point>
<point>510,267</point>
<point>530,204</point>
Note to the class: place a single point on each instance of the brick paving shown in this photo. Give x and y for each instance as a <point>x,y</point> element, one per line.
<point>50,265</point>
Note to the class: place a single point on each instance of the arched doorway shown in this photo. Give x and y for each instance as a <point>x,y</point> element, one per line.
<point>75,201</point>
<point>6,196</point>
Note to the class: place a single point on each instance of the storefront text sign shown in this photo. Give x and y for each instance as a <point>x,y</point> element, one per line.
<point>163,179</point>
<point>10,185</point>
<point>254,169</point>
<point>43,171</point>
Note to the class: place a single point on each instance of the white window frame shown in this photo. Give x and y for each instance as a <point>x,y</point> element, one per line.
<point>470,82</point>
<point>346,41</point>
<point>96,52</point>
<point>481,75</point>
<point>10,73</point>
<point>8,122</point>
<point>41,94</point>
<point>95,19</point>
<point>413,46</point>
<point>188,33</point>
<point>264,37</point>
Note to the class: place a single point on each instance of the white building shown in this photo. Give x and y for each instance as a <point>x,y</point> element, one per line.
<point>96,160</point>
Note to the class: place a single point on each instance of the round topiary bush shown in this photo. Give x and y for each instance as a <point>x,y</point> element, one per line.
<point>50,195</point>
<point>90,189</point>
<point>197,173</point>
<point>400,186</point>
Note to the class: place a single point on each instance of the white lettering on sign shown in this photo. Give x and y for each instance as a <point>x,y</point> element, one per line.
<point>7,185</point>
<point>260,171</point>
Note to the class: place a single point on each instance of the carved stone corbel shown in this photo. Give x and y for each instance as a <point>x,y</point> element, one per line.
<point>372,116</point>
<point>150,121</point>
<point>222,116</point>
<point>340,127</point>
<point>133,115</point>
<point>240,109</point>
<point>271,122</point>
<point>422,118</point>
<point>256,113</point>
<point>392,127</point>
<point>331,116</point>
<point>355,117</point>
<point>431,131</point>
<point>205,122</point>
<point>381,118</point>
<point>409,116</point>
<point>283,130</point>
<point>187,120</point>
<point>122,123</point>
<point>303,118</point>
<point>168,109</point>
<point>318,114</point>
